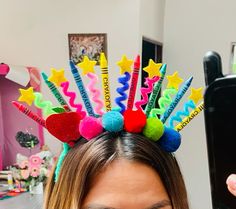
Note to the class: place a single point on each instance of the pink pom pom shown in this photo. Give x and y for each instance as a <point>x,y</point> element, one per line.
<point>90,127</point>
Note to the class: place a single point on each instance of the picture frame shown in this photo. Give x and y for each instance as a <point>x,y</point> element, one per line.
<point>233,58</point>
<point>89,44</point>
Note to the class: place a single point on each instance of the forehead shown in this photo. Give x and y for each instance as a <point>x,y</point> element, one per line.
<point>127,184</point>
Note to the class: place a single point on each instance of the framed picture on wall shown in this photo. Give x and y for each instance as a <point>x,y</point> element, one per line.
<point>90,45</point>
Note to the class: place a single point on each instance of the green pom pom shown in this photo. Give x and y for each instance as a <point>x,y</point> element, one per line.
<point>154,129</point>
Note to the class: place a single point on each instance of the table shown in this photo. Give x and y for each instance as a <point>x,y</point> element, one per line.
<point>23,201</point>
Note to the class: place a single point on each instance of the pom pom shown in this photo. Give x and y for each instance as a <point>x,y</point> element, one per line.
<point>112,121</point>
<point>154,129</point>
<point>90,127</point>
<point>134,121</point>
<point>170,141</point>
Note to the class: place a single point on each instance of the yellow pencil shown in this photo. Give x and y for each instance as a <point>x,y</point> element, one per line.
<point>192,115</point>
<point>105,81</point>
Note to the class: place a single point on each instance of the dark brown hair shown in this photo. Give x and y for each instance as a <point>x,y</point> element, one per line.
<point>84,162</point>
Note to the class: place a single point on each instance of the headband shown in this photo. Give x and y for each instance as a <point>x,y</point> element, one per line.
<point>72,121</point>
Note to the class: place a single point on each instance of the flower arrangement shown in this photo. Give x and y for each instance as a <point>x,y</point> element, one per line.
<point>33,170</point>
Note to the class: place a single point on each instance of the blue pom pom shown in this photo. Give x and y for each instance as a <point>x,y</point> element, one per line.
<point>112,121</point>
<point>170,140</point>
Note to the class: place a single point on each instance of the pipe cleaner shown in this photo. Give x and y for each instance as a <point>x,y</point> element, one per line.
<point>121,90</point>
<point>163,102</point>
<point>185,112</point>
<point>95,93</point>
<point>66,149</point>
<point>145,91</point>
<point>46,106</point>
<point>72,96</point>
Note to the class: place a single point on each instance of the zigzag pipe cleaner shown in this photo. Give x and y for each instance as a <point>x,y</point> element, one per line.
<point>125,68</point>
<point>87,66</point>
<point>176,100</point>
<point>156,90</point>
<point>196,95</point>
<point>121,90</point>
<point>71,95</point>
<point>188,119</point>
<point>182,113</point>
<point>145,91</point>
<point>95,93</point>
<point>46,106</point>
<point>172,88</point>
<point>163,102</point>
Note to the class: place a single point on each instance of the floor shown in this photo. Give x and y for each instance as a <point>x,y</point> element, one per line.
<point>23,201</point>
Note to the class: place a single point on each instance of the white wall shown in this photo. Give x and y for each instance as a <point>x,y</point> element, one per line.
<point>152,19</point>
<point>191,29</point>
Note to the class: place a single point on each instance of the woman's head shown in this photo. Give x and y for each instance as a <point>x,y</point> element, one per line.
<point>118,171</point>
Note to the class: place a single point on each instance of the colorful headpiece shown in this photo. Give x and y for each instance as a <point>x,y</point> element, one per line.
<point>70,122</point>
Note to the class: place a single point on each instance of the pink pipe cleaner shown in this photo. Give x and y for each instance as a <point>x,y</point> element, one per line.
<point>149,82</point>
<point>72,95</point>
<point>95,93</point>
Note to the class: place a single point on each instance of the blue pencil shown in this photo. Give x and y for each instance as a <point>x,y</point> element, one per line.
<point>176,100</point>
<point>82,90</point>
<point>155,91</point>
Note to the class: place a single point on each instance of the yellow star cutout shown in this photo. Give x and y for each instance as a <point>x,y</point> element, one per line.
<point>153,69</point>
<point>196,95</point>
<point>125,65</point>
<point>27,95</point>
<point>174,81</point>
<point>57,76</point>
<point>87,65</point>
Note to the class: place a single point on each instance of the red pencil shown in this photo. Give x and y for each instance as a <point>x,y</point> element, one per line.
<point>29,113</point>
<point>134,81</point>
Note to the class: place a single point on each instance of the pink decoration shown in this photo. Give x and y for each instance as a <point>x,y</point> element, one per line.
<point>35,160</point>
<point>95,92</point>
<point>90,127</point>
<point>25,173</point>
<point>24,164</point>
<point>4,69</point>
<point>34,171</point>
<point>72,95</point>
<point>34,77</point>
<point>145,91</point>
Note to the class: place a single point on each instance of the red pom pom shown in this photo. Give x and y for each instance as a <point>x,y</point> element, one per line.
<point>134,121</point>
<point>64,126</point>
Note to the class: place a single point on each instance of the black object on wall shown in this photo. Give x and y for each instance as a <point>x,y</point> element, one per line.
<point>220,123</point>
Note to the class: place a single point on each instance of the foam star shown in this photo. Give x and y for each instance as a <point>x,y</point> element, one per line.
<point>174,81</point>
<point>196,95</point>
<point>27,95</point>
<point>125,65</point>
<point>87,65</point>
<point>153,69</point>
<point>57,76</point>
